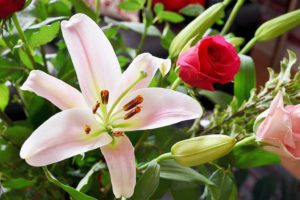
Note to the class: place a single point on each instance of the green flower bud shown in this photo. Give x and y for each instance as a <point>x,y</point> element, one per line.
<point>196,28</point>
<point>277,26</point>
<point>202,149</point>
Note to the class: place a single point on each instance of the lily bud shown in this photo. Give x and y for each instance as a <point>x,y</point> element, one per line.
<point>196,28</point>
<point>277,26</point>
<point>202,149</point>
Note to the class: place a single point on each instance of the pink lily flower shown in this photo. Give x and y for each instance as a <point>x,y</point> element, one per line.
<point>109,104</point>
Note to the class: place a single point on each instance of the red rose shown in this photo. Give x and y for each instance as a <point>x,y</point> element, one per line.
<point>8,7</point>
<point>212,60</point>
<point>176,5</point>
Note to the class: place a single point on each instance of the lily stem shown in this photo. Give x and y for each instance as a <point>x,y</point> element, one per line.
<point>165,156</point>
<point>176,83</point>
<point>232,16</point>
<point>246,141</point>
<point>248,46</point>
<point>5,118</point>
<point>23,38</point>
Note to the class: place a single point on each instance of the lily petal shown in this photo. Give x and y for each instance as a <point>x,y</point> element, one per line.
<point>56,91</point>
<point>161,107</point>
<point>119,156</point>
<point>63,136</point>
<point>94,59</point>
<point>146,63</point>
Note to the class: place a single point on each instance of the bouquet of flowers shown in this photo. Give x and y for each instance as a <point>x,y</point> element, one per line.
<point>85,114</point>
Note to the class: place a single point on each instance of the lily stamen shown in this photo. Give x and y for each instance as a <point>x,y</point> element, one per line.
<point>132,112</point>
<point>87,129</point>
<point>118,134</point>
<point>96,107</point>
<point>133,103</point>
<point>104,96</point>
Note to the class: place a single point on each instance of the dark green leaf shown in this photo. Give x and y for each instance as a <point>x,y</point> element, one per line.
<point>18,183</point>
<point>85,182</point>
<point>148,183</point>
<point>76,195</point>
<point>81,7</point>
<point>192,10</point>
<point>4,94</point>
<point>169,169</point>
<point>184,190</point>
<point>251,156</point>
<point>224,188</point>
<point>245,79</point>
<point>217,97</point>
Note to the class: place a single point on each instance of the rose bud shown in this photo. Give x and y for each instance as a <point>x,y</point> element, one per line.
<point>202,149</point>
<point>176,5</point>
<point>9,7</point>
<point>212,60</point>
<point>280,131</point>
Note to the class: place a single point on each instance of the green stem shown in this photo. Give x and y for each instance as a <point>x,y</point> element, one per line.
<point>195,127</point>
<point>248,46</point>
<point>23,38</point>
<point>165,156</point>
<point>246,141</point>
<point>142,41</point>
<point>232,16</point>
<point>5,119</point>
<point>176,83</point>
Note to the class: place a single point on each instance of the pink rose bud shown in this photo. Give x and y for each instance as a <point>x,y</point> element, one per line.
<point>281,130</point>
<point>212,60</point>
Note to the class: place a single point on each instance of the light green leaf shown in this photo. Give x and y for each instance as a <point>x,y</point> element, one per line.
<point>4,94</point>
<point>46,22</point>
<point>218,97</point>
<point>167,36</point>
<point>148,183</point>
<point>134,26</point>
<point>169,169</point>
<point>44,35</point>
<point>245,79</point>
<point>192,10</point>
<point>170,17</point>
<point>76,195</point>
<point>132,5</point>
<point>85,182</point>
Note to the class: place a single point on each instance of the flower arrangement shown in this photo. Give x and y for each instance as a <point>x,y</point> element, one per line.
<point>84,115</point>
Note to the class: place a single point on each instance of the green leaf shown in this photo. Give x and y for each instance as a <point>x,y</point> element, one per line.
<point>218,97</point>
<point>46,22</point>
<point>86,181</point>
<point>169,169</point>
<point>167,36</point>
<point>192,10</point>
<point>8,152</point>
<point>184,190</point>
<point>170,17</point>
<point>245,79</point>
<point>81,7</point>
<point>159,7</point>
<point>76,195</point>
<point>132,5</point>
<point>134,26</point>
<point>18,133</point>
<point>44,35</point>
<point>252,156</point>
<point>25,58</point>
<point>148,183</point>
<point>18,183</point>
<point>224,188</point>
<point>4,94</point>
